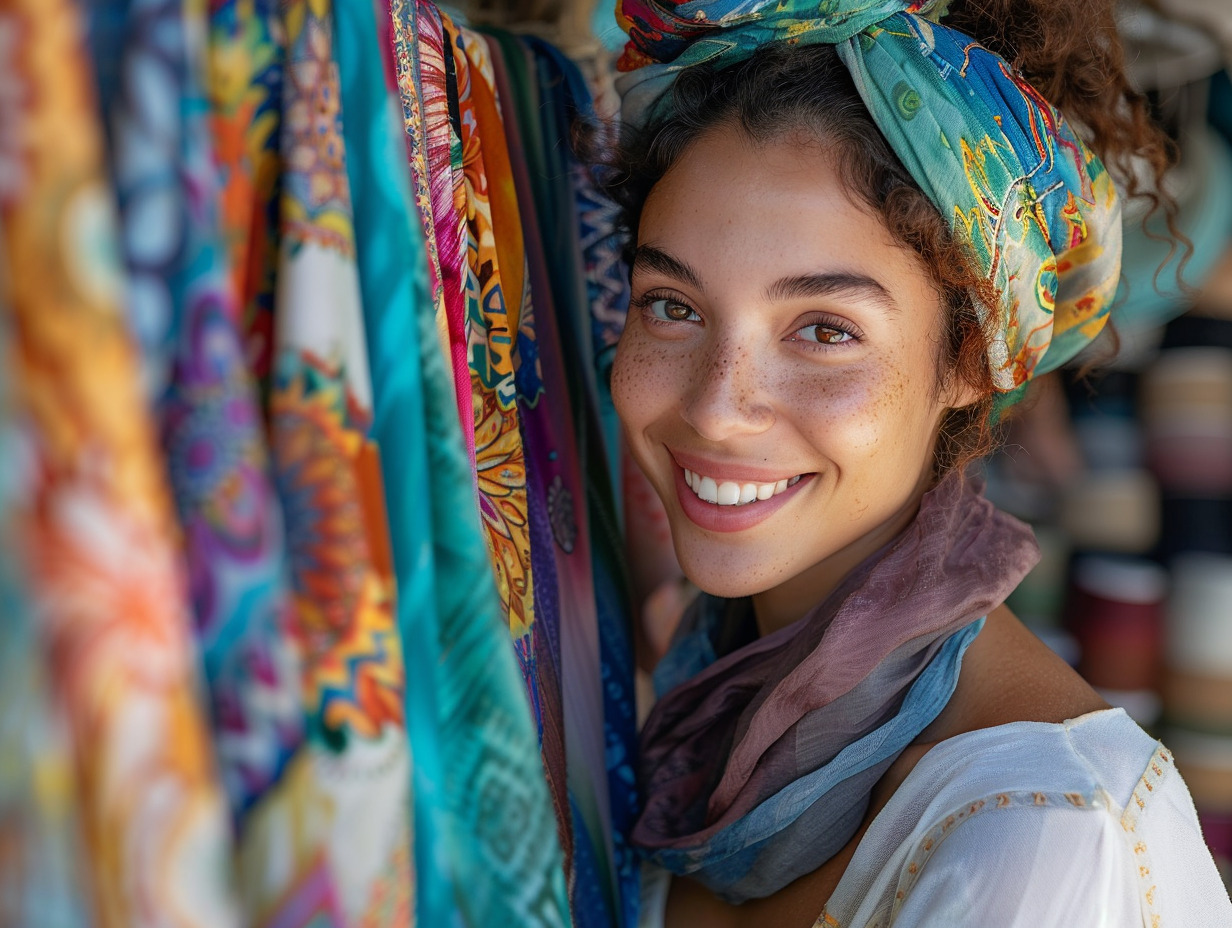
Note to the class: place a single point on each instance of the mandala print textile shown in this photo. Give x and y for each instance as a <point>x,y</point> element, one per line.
<point>545,685</point>
<point>328,468</point>
<point>489,804</point>
<point>184,315</point>
<point>95,526</point>
<point>499,458</point>
<point>40,873</point>
<point>244,84</point>
<point>1006,169</point>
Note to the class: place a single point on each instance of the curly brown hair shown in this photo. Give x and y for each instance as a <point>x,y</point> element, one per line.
<point>1068,49</point>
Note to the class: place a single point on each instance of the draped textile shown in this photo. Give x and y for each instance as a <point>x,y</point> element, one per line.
<point>96,527</point>
<point>329,478</point>
<point>41,877</point>
<point>244,84</point>
<point>1004,167</point>
<point>759,758</point>
<point>183,312</point>
<point>501,863</point>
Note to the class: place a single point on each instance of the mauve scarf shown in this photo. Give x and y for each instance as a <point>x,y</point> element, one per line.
<point>757,764</point>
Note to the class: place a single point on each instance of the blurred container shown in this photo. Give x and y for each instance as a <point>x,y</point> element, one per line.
<point>1194,524</point>
<point>1143,706</point>
<point>1187,413</point>
<point>1110,443</point>
<point>1116,613</point>
<point>1205,761</point>
<point>1113,511</point>
<point>1039,600</point>
<point>1199,636</point>
<point>1198,700</point>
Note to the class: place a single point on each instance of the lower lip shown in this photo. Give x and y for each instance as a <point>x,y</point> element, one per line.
<point>716,518</point>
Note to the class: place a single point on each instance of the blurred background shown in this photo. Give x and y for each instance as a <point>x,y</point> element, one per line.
<point>1125,471</point>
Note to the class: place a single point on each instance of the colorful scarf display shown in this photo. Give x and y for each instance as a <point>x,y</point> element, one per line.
<point>97,540</point>
<point>1010,174</point>
<point>758,760</point>
<point>319,615</point>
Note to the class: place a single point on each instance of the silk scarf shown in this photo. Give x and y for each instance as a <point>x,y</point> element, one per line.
<point>757,762</point>
<point>1014,180</point>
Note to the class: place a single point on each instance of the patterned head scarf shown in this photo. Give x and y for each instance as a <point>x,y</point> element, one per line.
<point>1036,206</point>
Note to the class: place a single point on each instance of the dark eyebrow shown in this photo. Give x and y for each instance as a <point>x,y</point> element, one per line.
<point>655,259</point>
<point>839,282</point>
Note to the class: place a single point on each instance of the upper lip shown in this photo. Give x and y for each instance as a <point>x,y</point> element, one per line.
<point>721,471</point>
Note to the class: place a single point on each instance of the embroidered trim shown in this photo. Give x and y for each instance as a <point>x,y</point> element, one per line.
<point>949,824</point>
<point>1157,770</point>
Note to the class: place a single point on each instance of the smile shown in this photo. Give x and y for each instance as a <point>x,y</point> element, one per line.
<point>731,493</point>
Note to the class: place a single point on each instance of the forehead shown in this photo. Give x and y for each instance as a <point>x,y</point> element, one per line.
<point>744,212</point>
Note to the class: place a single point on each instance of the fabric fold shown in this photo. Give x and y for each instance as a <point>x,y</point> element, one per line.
<point>859,676</point>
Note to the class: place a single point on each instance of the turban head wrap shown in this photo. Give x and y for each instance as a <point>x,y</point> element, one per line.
<point>1036,207</point>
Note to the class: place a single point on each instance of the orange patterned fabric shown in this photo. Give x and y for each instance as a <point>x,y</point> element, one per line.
<point>98,538</point>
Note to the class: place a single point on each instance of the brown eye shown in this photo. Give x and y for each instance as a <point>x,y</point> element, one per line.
<point>670,311</point>
<point>823,335</point>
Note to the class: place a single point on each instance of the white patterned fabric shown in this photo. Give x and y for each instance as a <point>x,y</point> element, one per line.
<point>1082,823</point>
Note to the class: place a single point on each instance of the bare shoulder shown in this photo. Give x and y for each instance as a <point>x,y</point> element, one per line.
<point>1009,675</point>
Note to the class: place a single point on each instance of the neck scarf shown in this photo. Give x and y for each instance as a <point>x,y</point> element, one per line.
<point>757,764</point>
<point>1016,183</point>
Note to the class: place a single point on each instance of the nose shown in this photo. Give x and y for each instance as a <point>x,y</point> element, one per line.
<point>727,398</point>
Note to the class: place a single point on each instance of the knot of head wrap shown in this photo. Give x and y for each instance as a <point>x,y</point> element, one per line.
<point>1035,205</point>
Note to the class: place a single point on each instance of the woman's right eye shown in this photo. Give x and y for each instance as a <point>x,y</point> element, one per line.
<point>670,311</point>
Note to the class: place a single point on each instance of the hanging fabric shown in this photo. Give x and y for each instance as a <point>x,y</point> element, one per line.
<point>339,400</point>
<point>95,526</point>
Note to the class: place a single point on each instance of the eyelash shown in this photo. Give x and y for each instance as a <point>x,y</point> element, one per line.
<point>647,300</point>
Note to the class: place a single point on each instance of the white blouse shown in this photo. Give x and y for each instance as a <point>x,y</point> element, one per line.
<point>1082,823</point>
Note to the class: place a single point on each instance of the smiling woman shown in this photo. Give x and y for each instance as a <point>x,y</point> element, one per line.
<point>855,235</point>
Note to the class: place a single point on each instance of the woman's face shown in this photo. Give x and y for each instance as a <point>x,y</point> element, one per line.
<point>779,347</point>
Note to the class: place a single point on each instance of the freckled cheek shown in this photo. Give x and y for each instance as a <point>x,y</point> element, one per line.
<point>858,411</point>
<point>645,376</point>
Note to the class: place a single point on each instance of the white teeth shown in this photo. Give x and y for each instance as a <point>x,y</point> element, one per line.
<point>730,493</point>
<point>708,490</point>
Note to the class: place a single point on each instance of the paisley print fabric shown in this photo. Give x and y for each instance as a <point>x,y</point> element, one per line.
<point>328,470</point>
<point>1004,167</point>
<point>95,525</point>
<point>183,312</point>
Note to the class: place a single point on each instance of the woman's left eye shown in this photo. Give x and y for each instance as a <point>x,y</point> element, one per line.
<point>822,334</point>
<point>670,311</point>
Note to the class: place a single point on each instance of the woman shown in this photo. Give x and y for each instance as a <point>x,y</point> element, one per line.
<point>856,235</point>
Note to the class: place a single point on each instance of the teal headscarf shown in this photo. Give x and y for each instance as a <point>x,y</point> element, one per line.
<point>1036,206</point>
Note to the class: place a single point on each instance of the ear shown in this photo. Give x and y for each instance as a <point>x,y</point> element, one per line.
<point>956,392</point>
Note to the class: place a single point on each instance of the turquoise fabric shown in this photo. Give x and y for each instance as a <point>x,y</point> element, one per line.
<point>485,833</point>
<point>1012,177</point>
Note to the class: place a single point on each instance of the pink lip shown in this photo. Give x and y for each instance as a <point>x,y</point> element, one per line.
<point>720,472</point>
<point>716,518</point>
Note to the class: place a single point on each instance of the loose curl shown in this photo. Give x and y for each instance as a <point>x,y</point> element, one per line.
<point>1068,49</point>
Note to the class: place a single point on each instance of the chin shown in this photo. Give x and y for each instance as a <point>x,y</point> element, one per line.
<point>728,577</point>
